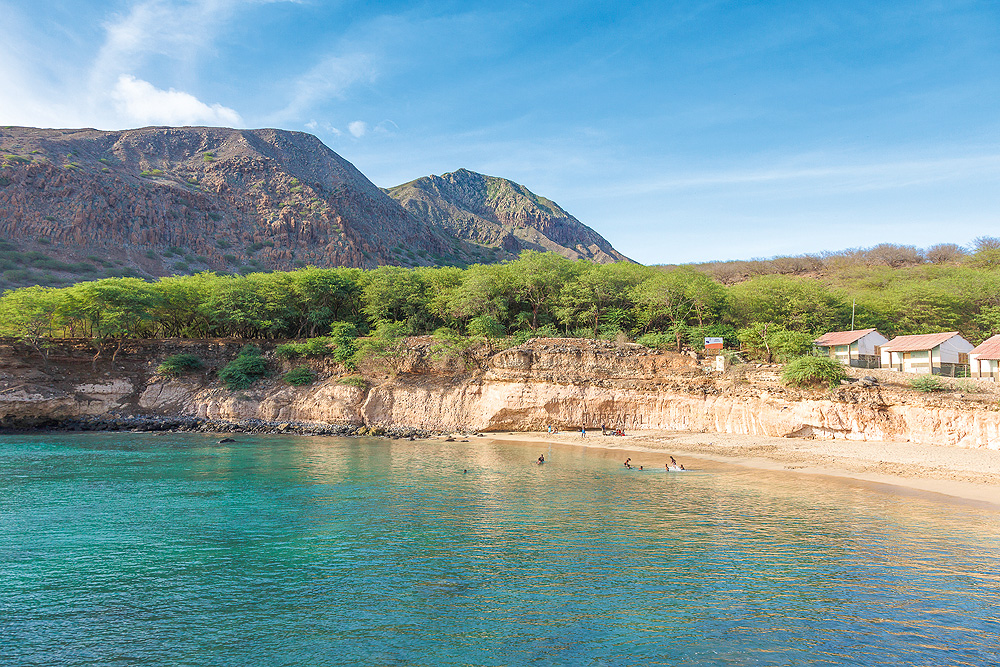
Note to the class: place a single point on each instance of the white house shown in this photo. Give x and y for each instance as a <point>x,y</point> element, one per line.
<point>985,359</point>
<point>854,348</point>
<point>941,353</point>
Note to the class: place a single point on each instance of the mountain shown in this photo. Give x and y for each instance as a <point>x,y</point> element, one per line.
<point>497,212</point>
<point>156,201</point>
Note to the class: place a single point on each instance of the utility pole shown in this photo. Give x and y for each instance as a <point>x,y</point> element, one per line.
<point>853,304</point>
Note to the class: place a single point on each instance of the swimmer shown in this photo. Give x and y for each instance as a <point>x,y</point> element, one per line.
<point>627,461</point>
<point>640,467</point>
<point>541,459</point>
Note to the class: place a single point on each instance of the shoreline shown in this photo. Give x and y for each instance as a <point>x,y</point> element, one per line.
<point>970,476</point>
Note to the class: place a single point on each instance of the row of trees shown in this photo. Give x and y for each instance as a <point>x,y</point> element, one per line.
<point>537,294</point>
<point>983,252</point>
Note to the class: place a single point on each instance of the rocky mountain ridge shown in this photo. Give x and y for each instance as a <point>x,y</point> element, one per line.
<point>497,212</point>
<point>157,201</point>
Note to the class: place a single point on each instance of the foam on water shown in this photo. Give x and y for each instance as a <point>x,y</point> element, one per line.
<point>174,549</point>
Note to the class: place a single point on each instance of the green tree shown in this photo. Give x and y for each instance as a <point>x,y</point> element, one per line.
<point>32,315</point>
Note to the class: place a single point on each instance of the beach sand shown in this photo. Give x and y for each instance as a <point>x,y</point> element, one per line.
<point>950,473</point>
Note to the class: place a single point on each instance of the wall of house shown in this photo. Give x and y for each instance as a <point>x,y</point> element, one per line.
<point>866,344</point>
<point>984,368</point>
<point>952,348</point>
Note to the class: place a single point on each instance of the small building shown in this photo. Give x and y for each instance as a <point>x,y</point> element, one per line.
<point>984,359</point>
<point>853,348</point>
<point>939,354</point>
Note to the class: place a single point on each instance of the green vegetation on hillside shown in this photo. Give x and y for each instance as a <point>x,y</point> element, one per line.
<point>771,316</point>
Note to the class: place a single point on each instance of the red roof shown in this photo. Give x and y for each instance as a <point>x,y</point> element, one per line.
<point>841,337</point>
<point>988,349</point>
<point>917,342</point>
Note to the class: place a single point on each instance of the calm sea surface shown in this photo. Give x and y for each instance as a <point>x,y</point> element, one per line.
<point>141,549</point>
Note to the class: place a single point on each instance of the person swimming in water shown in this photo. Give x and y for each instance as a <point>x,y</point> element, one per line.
<point>541,459</point>
<point>627,461</point>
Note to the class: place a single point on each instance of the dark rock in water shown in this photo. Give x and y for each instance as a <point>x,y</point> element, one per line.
<point>226,440</point>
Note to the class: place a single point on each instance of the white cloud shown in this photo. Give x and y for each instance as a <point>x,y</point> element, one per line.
<point>143,103</point>
<point>322,126</point>
<point>358,128</point>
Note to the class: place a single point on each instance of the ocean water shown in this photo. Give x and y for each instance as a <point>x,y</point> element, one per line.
<point>170,549</point>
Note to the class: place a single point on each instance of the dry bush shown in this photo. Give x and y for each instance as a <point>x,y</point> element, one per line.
<point>895,256</point>
<point>943,253</point>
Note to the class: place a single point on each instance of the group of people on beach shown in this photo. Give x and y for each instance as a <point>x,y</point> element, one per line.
<point>672,466</point>
<point>583,430</point>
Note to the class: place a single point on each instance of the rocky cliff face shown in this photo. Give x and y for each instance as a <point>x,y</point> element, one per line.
<point>500,213</point>
<point>545,382</point>
<point>159,200</point>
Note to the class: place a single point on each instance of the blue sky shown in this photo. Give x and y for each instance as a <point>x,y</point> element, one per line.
<point>681,131</point>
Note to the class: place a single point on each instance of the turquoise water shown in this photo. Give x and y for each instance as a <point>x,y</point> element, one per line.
<point>143,549</point>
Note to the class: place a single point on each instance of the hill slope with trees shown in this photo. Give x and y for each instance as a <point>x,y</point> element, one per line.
<point>770,316</point>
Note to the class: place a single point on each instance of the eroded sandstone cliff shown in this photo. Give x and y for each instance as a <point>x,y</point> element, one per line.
<point>564,383</point>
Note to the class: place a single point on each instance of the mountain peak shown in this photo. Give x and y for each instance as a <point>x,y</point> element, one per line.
<point>498,212</point>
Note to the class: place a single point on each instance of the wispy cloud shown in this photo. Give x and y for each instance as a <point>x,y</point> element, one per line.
<point>829,178</point>
<point>330,78</point>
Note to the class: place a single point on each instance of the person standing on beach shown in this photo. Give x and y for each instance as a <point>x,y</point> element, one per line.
<point>583,431</point>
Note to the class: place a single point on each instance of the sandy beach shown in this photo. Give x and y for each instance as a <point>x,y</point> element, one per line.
<point>950,473</point>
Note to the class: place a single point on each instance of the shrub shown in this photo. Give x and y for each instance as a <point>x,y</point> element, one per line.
<point>813,371</point>
<point>179,364</point>
<point>314,347</point>
<point>966,386</point>
<point>449,345</point>
<point>928,383</point>
<point>248,367</point>
<point>354,381</point>
<point>486,326</point>
<point>657,340</point>
<point>300,376</point>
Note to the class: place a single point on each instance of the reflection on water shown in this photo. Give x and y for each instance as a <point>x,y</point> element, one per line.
<point>171,549</point>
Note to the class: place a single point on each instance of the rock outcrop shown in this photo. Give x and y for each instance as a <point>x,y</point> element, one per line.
<point>557,382</point>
